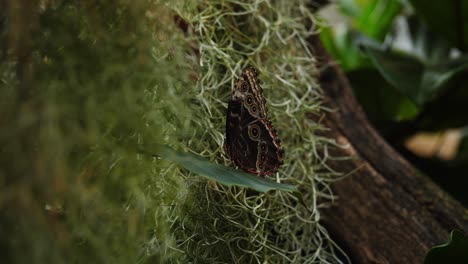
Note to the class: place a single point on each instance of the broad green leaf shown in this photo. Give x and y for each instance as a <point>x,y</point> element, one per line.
<point>370,17</point>
<point>425,45</point>
<point>424,71</point>
<point>349,7</point>
<point>401,70</point>
<point>453,252</point>
<point>446,18</point>
<point>436,76</point>
<point>340,43</point>
<point>220,173</point>
<point>381,101</point>
<point>377,17</point>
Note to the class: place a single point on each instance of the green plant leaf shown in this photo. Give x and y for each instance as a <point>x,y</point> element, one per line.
<point>381,101</point>
<point>341,45</point>
<point>447,18</point>
<point>423,71</point>
<point>455,251</point>
<point>370,17</point>
<point>425,45</point>
<point>376,17</point>
<point>350,8</point>
<point>401,70</point>
<point>220,173</point>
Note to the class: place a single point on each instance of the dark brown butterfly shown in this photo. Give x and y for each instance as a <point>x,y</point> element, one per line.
<point>251,140</point>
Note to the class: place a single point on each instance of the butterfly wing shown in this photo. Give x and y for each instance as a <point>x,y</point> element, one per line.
<point>241,149</point>
<point>251,140</point>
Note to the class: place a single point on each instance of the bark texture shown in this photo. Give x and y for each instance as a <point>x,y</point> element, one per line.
<point>386,212</point>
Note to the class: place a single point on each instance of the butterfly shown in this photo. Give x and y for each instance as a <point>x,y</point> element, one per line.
<point>251,141</point>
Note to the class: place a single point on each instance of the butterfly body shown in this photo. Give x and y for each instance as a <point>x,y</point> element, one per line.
<point>251,141</point>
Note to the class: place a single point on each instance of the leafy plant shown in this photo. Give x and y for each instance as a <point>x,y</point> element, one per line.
<point>447,19</point>
<point>422,72</point>
<point>220,173</point>
<point>408,70</point>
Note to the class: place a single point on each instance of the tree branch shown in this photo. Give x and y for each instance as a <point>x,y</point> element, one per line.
<point>386,212</point>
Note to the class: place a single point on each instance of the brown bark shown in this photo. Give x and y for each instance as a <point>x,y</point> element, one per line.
<point>386,212</point>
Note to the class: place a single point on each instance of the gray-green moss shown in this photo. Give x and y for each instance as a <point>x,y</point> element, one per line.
<point>237,225</point>
<point>104,78</point>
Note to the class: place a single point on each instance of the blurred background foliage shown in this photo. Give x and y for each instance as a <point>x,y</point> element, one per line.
<point>82,85</point>
<point>407,63</point>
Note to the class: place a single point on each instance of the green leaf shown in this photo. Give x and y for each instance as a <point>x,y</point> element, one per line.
<point>420,82</point>
<point>447,18</point>
<point>377,17</point>
<point>371,17</point>
<point>381,101</point>
<point>428,47</point>
<point>454,252</point>
<point>220,173</point>
<point>341,45</point>
<point>401,70</point>
<point>349,8</point>
<point>423,71</point>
